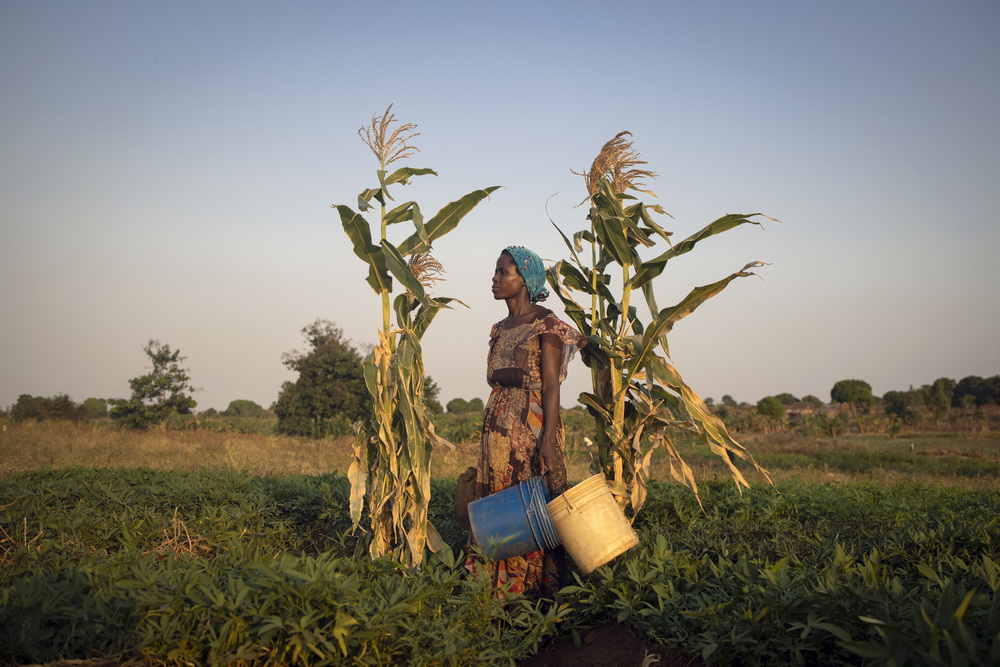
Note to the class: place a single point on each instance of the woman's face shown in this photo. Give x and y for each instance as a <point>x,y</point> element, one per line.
<point>507,282</point>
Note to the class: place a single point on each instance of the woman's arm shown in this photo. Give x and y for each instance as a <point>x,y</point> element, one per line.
<point>551,348</point>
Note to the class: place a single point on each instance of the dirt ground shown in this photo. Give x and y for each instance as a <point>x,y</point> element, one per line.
<point>611,645</point>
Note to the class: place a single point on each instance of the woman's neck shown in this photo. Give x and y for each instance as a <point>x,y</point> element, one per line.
<point>521,310</point>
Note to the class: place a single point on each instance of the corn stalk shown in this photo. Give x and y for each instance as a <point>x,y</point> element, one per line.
<point>638,397</point>
<point>390,465</point>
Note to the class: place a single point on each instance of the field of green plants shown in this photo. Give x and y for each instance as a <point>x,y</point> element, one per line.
<point>220,566</point>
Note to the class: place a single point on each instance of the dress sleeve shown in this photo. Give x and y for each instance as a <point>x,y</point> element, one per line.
<point>572,340</point>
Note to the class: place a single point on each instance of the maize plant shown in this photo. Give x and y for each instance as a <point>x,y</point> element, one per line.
<point>638,396</point>
<point>392,450</point>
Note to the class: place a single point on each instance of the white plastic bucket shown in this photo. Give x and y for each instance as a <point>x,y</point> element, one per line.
<point>590,525</point>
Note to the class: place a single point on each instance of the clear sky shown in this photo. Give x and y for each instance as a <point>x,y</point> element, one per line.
<point>167,170</point>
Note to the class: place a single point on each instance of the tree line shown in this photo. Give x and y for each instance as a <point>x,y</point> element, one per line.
<point>329,395</point>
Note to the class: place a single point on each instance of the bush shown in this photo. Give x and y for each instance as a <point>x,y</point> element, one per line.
<point>771,406</point>
<point>243,408</point>
<point>95,408</point>
<point>58,407</point>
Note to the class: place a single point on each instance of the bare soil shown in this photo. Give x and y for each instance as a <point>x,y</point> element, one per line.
<point>607,645</point>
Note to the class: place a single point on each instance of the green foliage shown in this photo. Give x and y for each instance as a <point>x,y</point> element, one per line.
<point>812,401</point>
<point>58,407</point>
<point>460,406</point>
<point>787,399</point>
<point>27,407</point>
<point>329,393</point>
<point>243,408</point>
<point>225,568</point>
<point>94,408</point>
<point>791,578</point>
<point>856,392</point>
<point>457,406</point>
<point>431,393</point>
<point>459,427</point>
<point>771,406</point>
<point>157,394</point>
<point>981,391</point>
<point>896,403</point>
<point>941,392</point>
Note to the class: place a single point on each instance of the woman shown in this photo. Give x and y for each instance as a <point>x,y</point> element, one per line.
<point>522,432</point>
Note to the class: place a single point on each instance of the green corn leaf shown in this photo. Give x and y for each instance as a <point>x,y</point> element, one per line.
<point>648,270</point>
<point>580,280</point>
<point>403,305</point>
<point>444,221</point>
<point>613,238</point>
<point>399,268</point>
<point>401,213</point>
<point>366,196</point>
<point>379,279</point>
<point>581,237</point>
<point>385,196</point>
<point>640,214</point>
<point>358,230</point>
<point>403,175</point>
<point>418,225</point>
<point>572,246</point>
<point>636,234</point>
<point>595,404</point>
<point>425,315</point>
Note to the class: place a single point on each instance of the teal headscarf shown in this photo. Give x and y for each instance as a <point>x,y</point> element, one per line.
<point>529,266</point>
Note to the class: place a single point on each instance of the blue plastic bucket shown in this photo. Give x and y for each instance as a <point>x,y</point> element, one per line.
<point>513,522</point>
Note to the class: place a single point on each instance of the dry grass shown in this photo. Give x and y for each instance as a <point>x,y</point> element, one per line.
<point>51,445</point>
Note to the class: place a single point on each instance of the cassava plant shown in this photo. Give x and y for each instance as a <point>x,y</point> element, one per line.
<point>392,449</point>
<point>638,396</point>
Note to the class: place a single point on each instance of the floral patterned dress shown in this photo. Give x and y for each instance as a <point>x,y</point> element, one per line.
<point>512,423</point>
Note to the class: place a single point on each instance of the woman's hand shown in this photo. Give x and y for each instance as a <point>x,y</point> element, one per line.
<point>547,459</point>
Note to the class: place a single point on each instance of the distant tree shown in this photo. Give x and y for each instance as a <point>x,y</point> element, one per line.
<point>476,405</point>
<point>710,402</point>
<point>993,389</point>
<point>27,407</point>
<point>157,394</point>
<point>728,401</point>
<point>972,386</point>
<point>787,399</point>
<point>330,391</point>
<point>771,406</point>
<point>981,391</point>
<point>897,403</point>
<point>94,408</point>
<point>856,392</point>
<point>940,395</point>
<point>62,408</point>
<point>431,393</point>
<point>458,406</point>
<point>211,412</point>
<point>813,401</point>
<point>58,407</point>
<point>243,408</point>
